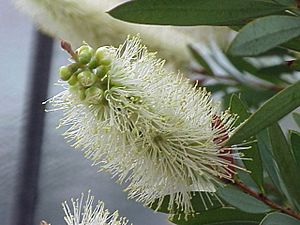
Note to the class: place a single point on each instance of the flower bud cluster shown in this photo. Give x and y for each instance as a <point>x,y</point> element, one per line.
<point>87,75</point>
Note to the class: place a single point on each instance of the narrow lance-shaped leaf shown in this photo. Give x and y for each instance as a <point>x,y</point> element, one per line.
<point>287,2</point>
<point>265,150</point>
<point>194,12</point>
<point>293,44</point>
<point>272,73</point>
<point>223,216</point>
<point>199,59</point>
<point>296,65</point>
<point>254,165</point>
<point>271,111</point>
<point>242,201</point>
<point>286,162</point>
<point>295,142</point>
<point>242,64</point>
<point>279,219</point>
<point>264,34</point>
<point>296,117</point>
<point>260,95</point>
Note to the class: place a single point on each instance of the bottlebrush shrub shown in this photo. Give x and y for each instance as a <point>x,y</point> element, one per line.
<point>145,125</point>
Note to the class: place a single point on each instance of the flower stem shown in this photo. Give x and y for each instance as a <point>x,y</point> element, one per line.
<point>265,199</point>
<point>68,48</point>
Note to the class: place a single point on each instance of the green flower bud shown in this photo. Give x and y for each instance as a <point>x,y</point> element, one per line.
<point>102,70</point>
<point>106,61</point>
<point>93,63</point>
<point>83,48</point>
<point>73,67</point>
<point>84,57</point>
<point>65,73</point>
<point>86,78</point>
<point>94,95</point>
<point>103,56</point>
<point>73,80</point>
<point>85,54</point>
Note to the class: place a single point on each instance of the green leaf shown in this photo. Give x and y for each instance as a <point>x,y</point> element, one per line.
<point>198,57</point>
<point>216,87</point>
<point>279,219</point>
<point>261,96</point>
<point>194,12</point>
<point>224,216</point>
<point>272,73</point>
<point>296,65</point>
<point>296,117</point>
<point>271,111</point>
<point>295,142</point>
<point>278,51</point>
<point>264,34</point>
<point>239,108</point>
<point>242,65</point>
<point>201,202</point>
<point>242,201</point>
<point>265,149</point>
<point>293,44</point>
<point>254,165</point>
<point>286,163</point>
<point>287,2</point>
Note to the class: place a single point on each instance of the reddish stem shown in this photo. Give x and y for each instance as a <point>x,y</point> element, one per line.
<point>266,200</point>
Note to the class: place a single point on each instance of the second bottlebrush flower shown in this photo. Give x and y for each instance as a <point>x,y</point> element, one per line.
<point>143,124</point>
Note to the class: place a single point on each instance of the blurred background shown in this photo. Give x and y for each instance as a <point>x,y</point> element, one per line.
<point>62,172</point>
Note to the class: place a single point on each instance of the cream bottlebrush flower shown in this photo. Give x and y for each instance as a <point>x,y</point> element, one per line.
<point>146,126</point>
<point>83,212</point>
<point>87,20</point>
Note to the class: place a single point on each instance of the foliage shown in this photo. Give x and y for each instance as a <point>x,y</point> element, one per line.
<point>257,77</point>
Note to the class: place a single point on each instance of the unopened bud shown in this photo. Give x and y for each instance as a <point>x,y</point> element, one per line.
<point>85,54</point>
<point>73,79</point>
<point>102,70</point>
<point>65,73</point>
<point>73,67</point>
<point>103,56</point>
<point>94,95</point>
<point>86,78</point>
<point>93,63</point>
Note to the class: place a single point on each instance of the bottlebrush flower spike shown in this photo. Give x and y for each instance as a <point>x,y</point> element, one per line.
<point>146,126</point>
<point>83,212</point>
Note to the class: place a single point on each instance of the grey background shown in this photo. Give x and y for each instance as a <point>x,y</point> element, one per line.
<point>64,173</point>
